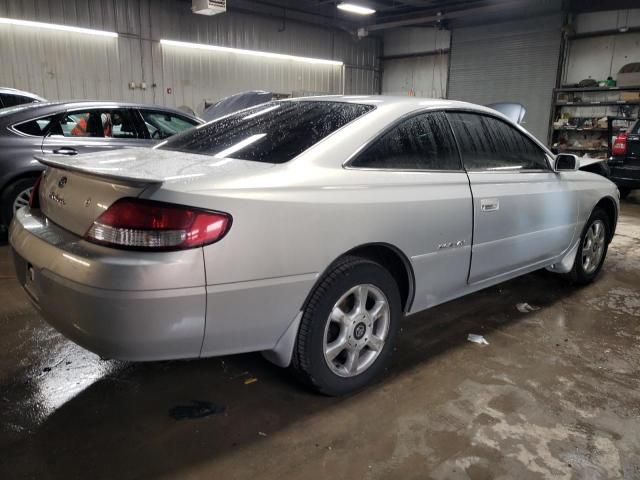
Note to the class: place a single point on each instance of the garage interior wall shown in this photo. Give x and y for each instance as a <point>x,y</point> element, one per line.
<point>598,56</point>
<point>63,65</point>
<point>415,62</point>
<point>515,61</point>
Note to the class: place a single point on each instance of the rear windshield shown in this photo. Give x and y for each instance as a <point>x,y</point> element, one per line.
<point>273,132</point>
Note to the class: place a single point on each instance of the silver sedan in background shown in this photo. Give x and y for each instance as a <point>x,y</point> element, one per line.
<point>71,128</point>
<point>304,229</point>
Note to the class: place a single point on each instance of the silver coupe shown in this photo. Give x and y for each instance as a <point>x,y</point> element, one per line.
<point>305,229</point>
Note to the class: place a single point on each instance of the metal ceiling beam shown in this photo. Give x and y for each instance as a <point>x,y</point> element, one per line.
<point>269,9</point>
<point>435,18</point>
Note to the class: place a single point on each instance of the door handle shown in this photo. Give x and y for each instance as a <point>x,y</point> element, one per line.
<point>66,151</point>
<point>489,204</point>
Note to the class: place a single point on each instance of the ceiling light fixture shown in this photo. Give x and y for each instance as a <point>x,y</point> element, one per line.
<point>53,26</point>
<point>255,53</point>
<point>359,9</point>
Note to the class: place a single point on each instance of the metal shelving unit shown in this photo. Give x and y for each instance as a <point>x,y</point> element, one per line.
<point>585,120</point>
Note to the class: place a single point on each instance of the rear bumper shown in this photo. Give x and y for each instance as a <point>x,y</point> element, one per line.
<point>624,175</point>
<point>628,182</point>
<point>118,304</point>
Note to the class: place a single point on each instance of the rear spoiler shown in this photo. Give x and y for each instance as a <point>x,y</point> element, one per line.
<point>108,172</point>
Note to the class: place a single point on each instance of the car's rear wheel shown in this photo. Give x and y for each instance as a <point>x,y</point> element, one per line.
<point>348,327</point>
<point>592,251</point>
<point>15,197</point>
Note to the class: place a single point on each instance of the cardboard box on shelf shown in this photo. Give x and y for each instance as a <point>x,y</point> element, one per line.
<point>630,96</point>
<point>629,75</point>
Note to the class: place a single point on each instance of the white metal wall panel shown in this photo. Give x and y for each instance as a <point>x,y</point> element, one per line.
<point>409,40</point>
<point>361,81</point>
<point>61,65</point>
<point>197,75</point>
<point>513,61</point>
<point>600,57</point>
<point>607,20</point>
<point>423,76</point>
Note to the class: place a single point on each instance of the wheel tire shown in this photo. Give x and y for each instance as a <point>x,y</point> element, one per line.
<point>11,193</point>
<point>624,192</point>
<point>308,361</point>
<point>579,274</point>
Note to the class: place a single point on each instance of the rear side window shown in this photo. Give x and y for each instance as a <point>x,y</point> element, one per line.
<point>99,123</point>
<point>423,142</point>
<point>487,143</point>
<point>35,128</point>
<point>274,132</point>
<point>161,125</point>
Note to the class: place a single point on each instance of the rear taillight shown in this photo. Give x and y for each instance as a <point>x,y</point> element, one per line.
<point>148,225</point>
<point>34,198</point>
<point>620,145</point>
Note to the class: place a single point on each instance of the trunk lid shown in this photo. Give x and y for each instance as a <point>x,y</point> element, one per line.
<point>74,200</point>
<point>75,191</point>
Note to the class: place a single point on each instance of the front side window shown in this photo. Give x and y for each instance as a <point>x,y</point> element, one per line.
<point>274,132</point>
<point>422,142</point>
<point>98,123</point>
<point>36,128</point>
<point>487,143</point>
<point>161,125</point>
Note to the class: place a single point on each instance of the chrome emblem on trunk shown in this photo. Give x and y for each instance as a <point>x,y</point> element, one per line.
<point>57,198</point>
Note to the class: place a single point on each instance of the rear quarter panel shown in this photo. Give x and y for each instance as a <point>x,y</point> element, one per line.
<point>282,239</point>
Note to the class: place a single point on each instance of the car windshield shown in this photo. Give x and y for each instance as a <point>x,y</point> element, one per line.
<point>273,132</point>
<point>635,128</point>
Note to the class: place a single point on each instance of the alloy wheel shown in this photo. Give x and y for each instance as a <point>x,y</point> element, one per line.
<point>356,330</point>
<point>22,200</point>
<point>593,246</point>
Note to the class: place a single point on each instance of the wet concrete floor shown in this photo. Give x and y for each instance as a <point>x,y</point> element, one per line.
<point>556,394</point>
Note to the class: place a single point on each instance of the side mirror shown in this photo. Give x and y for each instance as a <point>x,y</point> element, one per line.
<point>567,162</point>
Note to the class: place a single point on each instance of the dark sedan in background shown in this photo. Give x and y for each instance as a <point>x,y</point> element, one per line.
<point>69,129</point>
<point>624,163</point>
<point>10,97</point>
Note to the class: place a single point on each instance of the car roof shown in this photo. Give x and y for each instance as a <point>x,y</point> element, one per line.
<point>32,110</point>
<point>395,107</point>
<point>111,103</point>
<point>405,104</point>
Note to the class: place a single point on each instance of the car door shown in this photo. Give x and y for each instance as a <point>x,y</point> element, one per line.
<point>420,155</point>
<point>88,130</point>
<point>160,125</point>
<point>524,213</point>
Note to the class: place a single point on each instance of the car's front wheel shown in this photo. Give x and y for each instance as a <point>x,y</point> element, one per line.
<point>592,251</point>
<point>348,327</point>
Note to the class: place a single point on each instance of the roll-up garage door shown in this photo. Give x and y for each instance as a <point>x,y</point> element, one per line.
<point>514,61</point>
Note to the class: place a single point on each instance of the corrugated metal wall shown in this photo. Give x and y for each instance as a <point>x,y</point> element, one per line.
<point>600,56</point>
<point>513,61</point>
<point>68,65</point>
<point>419,62</point>
<point>421,76</point>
